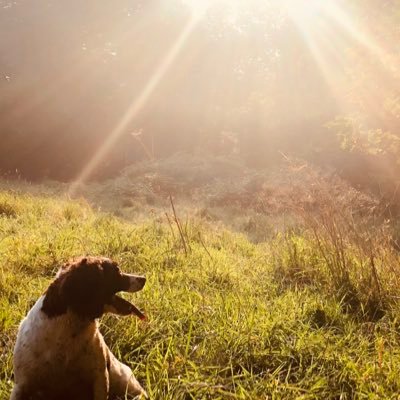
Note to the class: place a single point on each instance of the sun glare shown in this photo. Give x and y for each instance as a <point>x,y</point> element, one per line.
<point>324,27</point>
<point>327,27</point>
<point>305,11</point>
<point>198,7</point>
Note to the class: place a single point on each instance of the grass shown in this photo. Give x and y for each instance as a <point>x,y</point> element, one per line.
<point>227,318</point>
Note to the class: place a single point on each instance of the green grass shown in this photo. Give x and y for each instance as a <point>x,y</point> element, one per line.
<point>228,319</point>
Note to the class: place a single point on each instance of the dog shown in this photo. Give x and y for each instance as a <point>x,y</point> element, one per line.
<point>60,352</point>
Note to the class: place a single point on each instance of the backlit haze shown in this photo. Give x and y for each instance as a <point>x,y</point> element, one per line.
<point>90,86</point>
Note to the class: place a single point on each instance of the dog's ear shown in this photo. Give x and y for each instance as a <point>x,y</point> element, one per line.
<point>78,287</point>
<point>81,289</point>
<point>53,303</point>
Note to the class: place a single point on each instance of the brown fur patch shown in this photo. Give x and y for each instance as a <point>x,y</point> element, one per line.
<point>84,286</point>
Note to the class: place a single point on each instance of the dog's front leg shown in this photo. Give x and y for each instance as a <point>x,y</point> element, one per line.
<point>101,384</point>
<point>18,393</point>
<point>94,363</point>
<point>122,380</point>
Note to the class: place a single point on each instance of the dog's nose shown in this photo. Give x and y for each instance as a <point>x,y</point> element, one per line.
<point>141,281</point>
<point>135,282</point>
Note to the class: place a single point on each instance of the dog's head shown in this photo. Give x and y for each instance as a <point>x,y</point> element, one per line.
<point>88,288</point>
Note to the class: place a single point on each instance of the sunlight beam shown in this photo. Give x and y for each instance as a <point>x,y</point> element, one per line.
<point>327,28</point>
<point>314,22</point>
<point>137,105</point>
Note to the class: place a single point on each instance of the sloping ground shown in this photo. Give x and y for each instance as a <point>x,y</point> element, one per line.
<point>227,319</point>
<point>259,203</point>
<point>226,181</point>
<point>209,183</point>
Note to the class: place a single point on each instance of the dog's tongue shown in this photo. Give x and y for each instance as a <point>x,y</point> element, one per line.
<point>123,307</point>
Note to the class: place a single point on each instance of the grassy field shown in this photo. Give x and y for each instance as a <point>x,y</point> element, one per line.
<point>310,313</point>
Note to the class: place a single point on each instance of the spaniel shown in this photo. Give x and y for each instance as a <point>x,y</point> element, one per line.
<point>60,353</point>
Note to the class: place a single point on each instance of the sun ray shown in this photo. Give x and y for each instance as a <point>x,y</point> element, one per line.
<point>313,21</point>
<point>138,103</point>
<point>327,29</point>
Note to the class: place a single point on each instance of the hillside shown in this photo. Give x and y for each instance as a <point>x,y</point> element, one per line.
<point>309,312</point>
<point>221,189</point>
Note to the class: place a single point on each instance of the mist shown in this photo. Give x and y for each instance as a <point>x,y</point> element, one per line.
<point>96,86</point>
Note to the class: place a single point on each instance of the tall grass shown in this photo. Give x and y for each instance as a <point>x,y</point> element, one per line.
<point>344,250</point>
<point>228,319</point>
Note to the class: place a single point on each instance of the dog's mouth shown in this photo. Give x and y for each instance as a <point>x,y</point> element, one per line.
<point>118,305</point>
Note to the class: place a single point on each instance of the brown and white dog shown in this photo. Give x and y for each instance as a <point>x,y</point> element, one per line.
<point>60,352</point>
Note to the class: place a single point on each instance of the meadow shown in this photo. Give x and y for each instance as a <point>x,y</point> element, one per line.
<point>244,155</point>
<point>307,311</point>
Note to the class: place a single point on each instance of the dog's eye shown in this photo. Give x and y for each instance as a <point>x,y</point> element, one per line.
<point>113,270</point>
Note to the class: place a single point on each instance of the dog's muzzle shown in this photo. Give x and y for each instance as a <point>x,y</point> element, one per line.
<point>133,283</point>
<point>118,305</point>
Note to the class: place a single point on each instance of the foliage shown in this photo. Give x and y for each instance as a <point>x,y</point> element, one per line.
<point>355,138</point>
<point>369,158</point>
